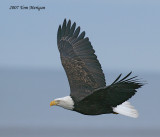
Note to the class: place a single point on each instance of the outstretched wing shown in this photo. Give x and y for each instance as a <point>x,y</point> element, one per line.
<point>122,90</point>
<point>115,94</point>
<point>81,65</point>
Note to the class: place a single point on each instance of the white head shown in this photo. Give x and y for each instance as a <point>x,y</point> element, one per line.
<point>65,102</point>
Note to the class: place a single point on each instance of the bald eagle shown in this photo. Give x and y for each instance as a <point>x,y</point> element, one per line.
<point>89,93</point>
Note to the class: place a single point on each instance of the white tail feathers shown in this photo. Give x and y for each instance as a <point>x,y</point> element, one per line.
<point>126,109</point>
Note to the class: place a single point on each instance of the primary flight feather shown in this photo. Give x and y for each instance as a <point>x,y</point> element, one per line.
<point>89,93</point>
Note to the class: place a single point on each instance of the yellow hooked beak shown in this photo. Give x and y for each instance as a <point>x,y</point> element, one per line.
<point>53,103</point>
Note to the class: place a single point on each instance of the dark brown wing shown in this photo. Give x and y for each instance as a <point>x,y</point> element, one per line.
<point>81,65</point>
<point>116,93</point>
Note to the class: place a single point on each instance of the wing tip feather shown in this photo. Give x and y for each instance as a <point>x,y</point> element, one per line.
<point>137,82</point>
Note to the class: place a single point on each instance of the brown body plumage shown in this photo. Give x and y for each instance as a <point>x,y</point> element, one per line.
<point>87,83</point>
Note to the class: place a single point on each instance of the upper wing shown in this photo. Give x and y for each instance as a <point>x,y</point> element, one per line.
<point>115,94</point>
<point>81,65</point>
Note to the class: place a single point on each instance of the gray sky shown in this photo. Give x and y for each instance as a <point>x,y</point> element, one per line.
<point>125,34</point>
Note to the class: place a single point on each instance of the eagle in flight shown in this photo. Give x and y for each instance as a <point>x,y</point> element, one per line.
<point>89,93</point>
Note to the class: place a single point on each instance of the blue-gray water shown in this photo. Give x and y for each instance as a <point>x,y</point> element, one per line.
<point>24,108</point>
